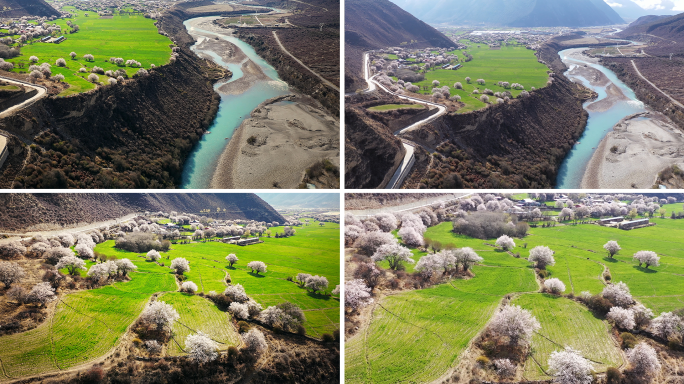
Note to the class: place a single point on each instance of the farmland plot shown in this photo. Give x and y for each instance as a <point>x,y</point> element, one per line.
<point>416,336</point>
<point>199,314</point>
<point>567,323</point>
<point>85,326</point>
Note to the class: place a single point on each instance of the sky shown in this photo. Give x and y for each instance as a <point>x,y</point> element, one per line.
<point>654,5</point>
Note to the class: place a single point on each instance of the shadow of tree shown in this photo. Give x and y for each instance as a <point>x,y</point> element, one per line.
<point>610,259</point>
<point>255,275</point>
<point>645,270</point>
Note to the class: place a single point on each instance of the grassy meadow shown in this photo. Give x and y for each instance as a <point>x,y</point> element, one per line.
<point>89,323</point>
<point>407,326</point>
<point>514,64</point>
<point>431,327</point>
<point>126,36</point>
<point>313,250</point>
<point>85,326</point>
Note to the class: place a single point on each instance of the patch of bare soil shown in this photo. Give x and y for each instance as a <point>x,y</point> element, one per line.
<point>283,137</point>
<point>634,152</point>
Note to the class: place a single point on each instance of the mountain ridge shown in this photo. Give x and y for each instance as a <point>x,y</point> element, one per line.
<point>514,13</point>
<point>16,8</point>
<point>26,210</point>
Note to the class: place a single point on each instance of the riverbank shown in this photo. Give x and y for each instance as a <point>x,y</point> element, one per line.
<point>287,132</point>
<point>630,156</point>
<point>283,136</point>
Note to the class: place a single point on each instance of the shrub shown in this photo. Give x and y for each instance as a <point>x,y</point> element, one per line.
<point>482,360</point>
<point>141,242</point>
<point>628,340</point>
<point>613,376</point>
<point>328,338</point>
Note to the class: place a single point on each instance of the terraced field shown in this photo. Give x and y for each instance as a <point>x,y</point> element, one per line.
<point>406,327</point>
<point>313,250</point>
<point>85,326</point>
<point>581,259</point>
<point>566,322</point>
<point>199,314</point>
<point>401,344</point>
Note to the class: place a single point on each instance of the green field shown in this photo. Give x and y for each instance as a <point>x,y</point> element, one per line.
<point>392,107</point>
<point>567,323</point>
<point>513,64</point>
<point>126,36</point>
<point>405,327</point>
<point>87,324</point>
<point>313,250</point>
<point>199,314</point>
<point>429,328</point>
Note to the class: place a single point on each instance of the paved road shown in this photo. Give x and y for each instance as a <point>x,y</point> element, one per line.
<point>407,163</point>
<point>303,65</point>
<point>24,235</point>
<point>410,206</point>
<point>654,86</point>
<point>42,92</point>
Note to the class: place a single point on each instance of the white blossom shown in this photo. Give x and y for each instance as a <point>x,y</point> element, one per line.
<point>189,286</point>
<point>180,265</point>
<point>201,348</point>
<point>515,323</point>
<point>356,294</point>
<point>554,285</point>
<point>505,242</point>
<point>542,256</point>
<point>257,266</point>
<point>10,273</point>
<point>71,263</point>
<point>569,367</point>
<point>623,318</point>
<point>160,314</point>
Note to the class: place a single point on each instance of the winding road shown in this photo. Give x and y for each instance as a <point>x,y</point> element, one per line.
<point>42,92</point>
<point>654,86</point>
<point>328,83</point>
<point>409,159</point>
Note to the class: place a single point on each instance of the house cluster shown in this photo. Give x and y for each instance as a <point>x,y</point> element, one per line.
<point>622,223</point>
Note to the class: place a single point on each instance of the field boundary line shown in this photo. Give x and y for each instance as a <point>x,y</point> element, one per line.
<point>414,325</point>
<point>572,286</point>
<point>593,361</point>
<point>52,340</point>
<point>2,366</point>
<point>83,314</point>
<point>179,322</point>
<point>175,341</point>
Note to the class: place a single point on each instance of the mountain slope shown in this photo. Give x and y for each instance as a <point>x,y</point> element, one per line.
<point>629,10</point>
<point>19,8</point>
<point>302,200</point>
<point>24,210</point>
<point>647,20</point>
<point>671,28</point>
<point>377,24</point>
<point>515,13</point>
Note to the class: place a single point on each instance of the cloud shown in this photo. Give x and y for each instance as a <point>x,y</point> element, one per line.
<point>614,5</point>
<point>649,4</point>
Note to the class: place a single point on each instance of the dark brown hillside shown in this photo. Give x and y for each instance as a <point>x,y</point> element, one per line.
<point>19,8</point>
<point>146,127</point>
<point>664,36</point>
<point>379,24</point>
<point>22,211</point>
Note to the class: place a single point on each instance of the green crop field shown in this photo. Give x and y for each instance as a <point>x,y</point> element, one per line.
<point>199,314</point>
<point>514,64</point>
<point>567,323</point>
<point>429,328</point>
<point>313,250</point>
<point>87,324</point>
<point>126,36</point>
<point>405,327</point>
